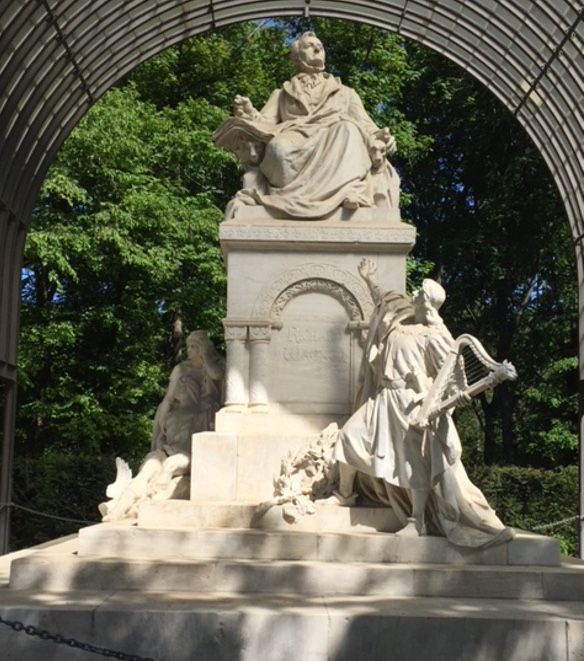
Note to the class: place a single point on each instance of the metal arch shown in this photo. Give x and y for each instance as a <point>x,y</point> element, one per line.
<point>427,21</point>
<point>58,56</point>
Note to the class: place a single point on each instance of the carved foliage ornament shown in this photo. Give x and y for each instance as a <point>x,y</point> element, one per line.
<point>321,286</point>
<point>324,278</point>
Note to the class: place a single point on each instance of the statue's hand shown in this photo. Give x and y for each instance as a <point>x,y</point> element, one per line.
<point>419,423</point>
<point>462,399</point>
<point>367,268</point>
<point>243,107</point>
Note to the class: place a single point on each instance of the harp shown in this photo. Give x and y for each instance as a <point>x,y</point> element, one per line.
<point>468,370</point>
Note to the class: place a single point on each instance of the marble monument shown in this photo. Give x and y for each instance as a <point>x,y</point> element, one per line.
<point>193,396</point>
<point>312,148</point>
<point>318,195</point>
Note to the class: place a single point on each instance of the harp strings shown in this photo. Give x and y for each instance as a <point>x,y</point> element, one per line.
<point>468,370</point>
<point>474,368</point>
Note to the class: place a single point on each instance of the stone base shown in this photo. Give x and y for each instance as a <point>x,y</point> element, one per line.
<point>299,543</point>
<point>110,557</point>
<point>297,309</point>
<point>221,595</point>
<point>186,626</point>
<point>239,467</point>
<point>327,518</point>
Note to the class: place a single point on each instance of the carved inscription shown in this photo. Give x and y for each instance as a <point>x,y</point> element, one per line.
<point>310,354</point>
<point>309,343</point>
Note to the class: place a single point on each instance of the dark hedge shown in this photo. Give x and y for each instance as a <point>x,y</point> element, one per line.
<point>72,486</point>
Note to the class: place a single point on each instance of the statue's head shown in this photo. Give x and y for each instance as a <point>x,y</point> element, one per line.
<point>428,300</point>
<point>198,343</point>
<point>377,153</point>
<point>307,54</point>
<point>249,152</point>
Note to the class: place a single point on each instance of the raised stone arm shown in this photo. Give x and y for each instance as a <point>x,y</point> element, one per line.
<point>367,270</point>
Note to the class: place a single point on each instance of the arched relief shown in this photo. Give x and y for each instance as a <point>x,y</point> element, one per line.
<point>320,278</point>
<point>321,286</point>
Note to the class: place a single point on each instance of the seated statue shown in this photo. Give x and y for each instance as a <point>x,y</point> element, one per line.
<point>317,145</point>
<point>189,405</point>
<point>387,450</point>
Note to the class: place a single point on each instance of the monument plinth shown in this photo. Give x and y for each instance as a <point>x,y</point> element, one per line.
<point>297,317</point>
<point>297,312</point>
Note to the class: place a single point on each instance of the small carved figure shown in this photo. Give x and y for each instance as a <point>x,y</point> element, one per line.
<point>250,154</point>
<point>399,457</point>
<point>385,183</point>
<point>189,405</point>
<point>317,138</point>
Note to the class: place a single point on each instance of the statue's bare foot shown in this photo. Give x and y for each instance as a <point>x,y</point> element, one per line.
<point>350,203</point>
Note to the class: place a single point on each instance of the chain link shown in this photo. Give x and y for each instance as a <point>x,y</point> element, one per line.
<point>31,630</point>
<point>44,514</point>
<point>561,522</point>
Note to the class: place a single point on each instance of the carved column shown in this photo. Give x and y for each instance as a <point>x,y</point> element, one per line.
<point>259,337</point>
<point>236,365</point>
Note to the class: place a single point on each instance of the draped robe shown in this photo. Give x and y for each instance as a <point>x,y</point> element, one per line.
<point>317,135</point>
<point>391,455</point>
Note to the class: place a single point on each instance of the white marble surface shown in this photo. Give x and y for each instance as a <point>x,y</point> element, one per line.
<point>238,467</point>
<point>297,310</point>
<point>312,148</point>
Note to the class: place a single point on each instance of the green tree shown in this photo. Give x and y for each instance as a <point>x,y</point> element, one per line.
<point>123,235</point>
<point>124,245</point>
<point>491,221</point>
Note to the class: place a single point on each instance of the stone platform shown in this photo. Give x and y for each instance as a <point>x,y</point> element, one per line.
<point>225,594</point>
<point>214,514</point>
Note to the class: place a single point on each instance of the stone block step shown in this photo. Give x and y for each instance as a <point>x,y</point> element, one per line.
<point>122,540</point>
<point>182,626</point>
<point>50,572</point>
<point>327,518</point>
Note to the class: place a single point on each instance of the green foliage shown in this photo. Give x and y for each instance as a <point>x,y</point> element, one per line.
<point>125,239</point>
<point>553,400</point>
<point>125,233</point>
<point>491,221</point>
<point>527,498</point>
<point>249,59</point>
<point>416,271</point>
<point>62,484</point>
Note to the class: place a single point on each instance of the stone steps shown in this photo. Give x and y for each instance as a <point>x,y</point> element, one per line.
<point>130,541</point>
<point>227,627</point>
<point>50,572</point>
<point>164,606</point>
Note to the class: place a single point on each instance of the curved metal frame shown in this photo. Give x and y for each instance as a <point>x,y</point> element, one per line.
<point>58,56</point>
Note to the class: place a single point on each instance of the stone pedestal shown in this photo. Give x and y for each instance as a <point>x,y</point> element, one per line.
<point>297,314</point>
<point>239,467</point>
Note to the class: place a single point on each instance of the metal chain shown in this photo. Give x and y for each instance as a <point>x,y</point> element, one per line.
<point>561,522</point>
<point>45,515</point>
<point>31,630</point>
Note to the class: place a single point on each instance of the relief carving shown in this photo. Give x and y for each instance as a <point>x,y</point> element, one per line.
<point>323,278</point>
<point>321,286</point>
